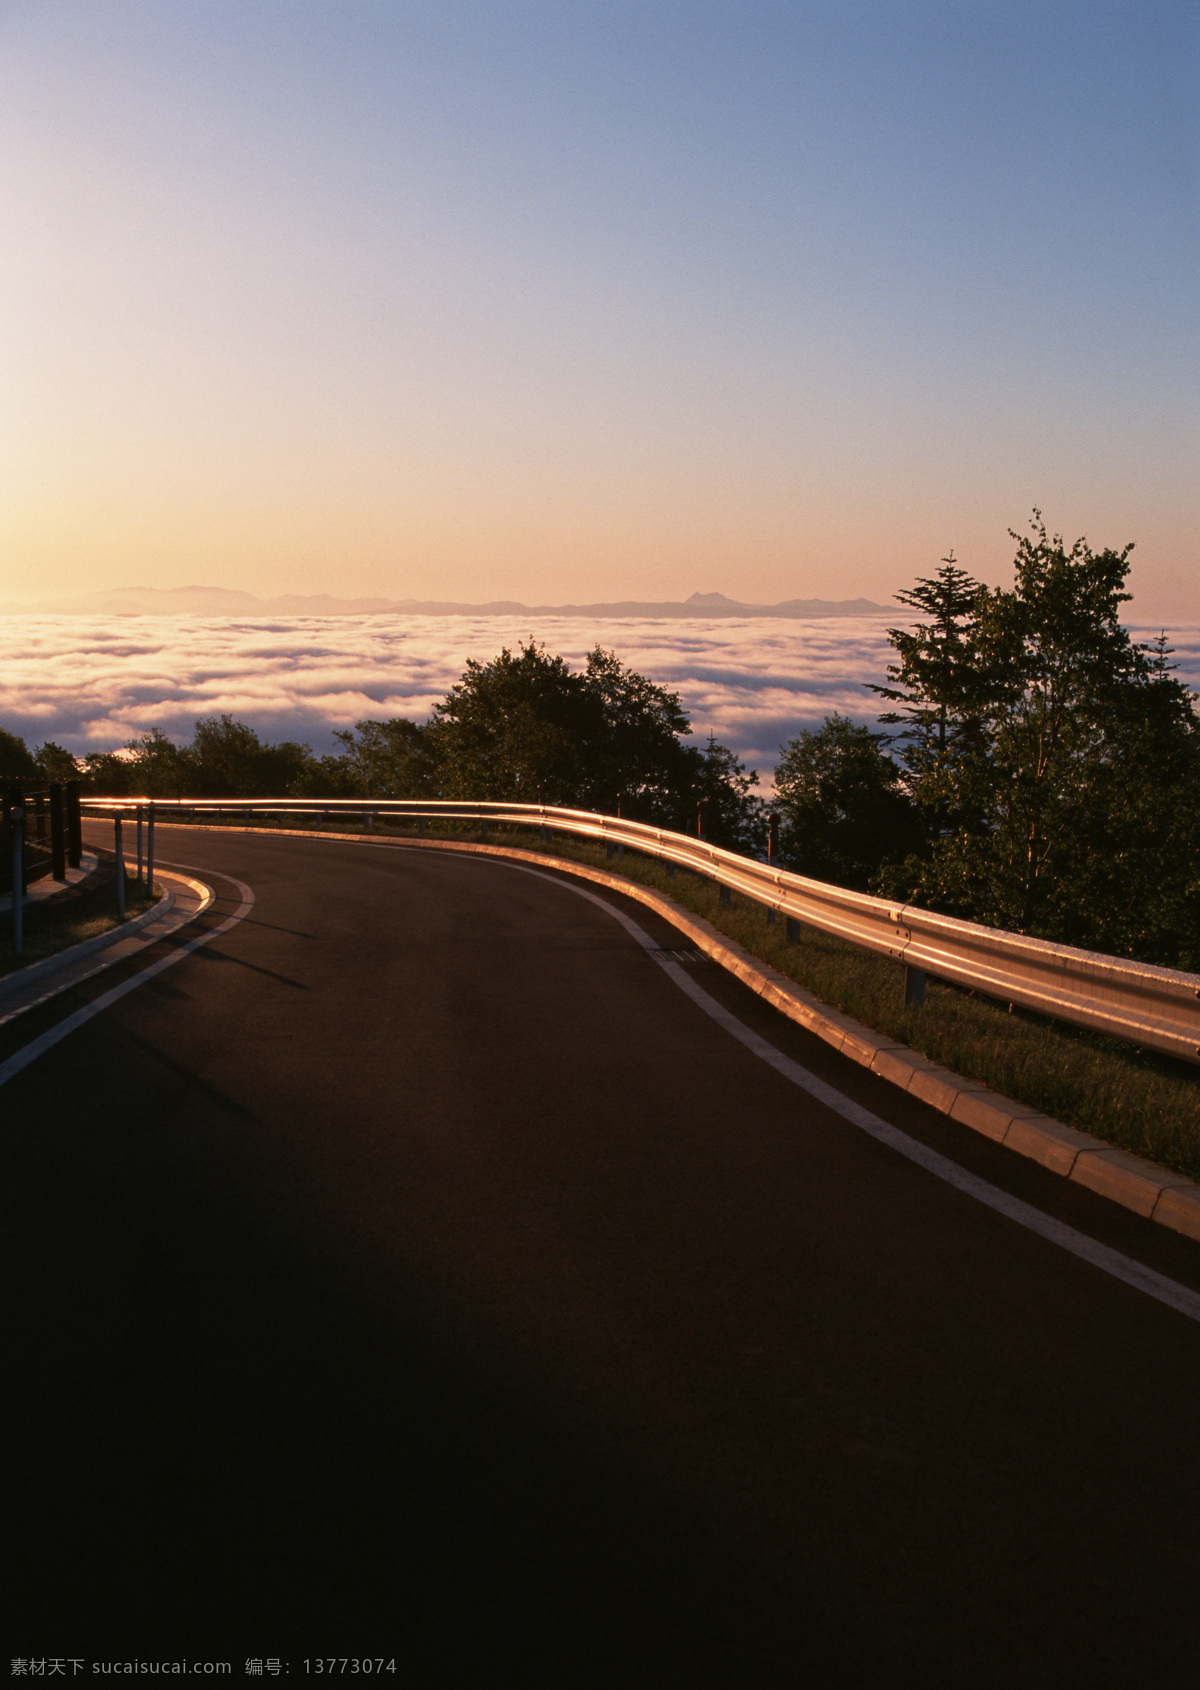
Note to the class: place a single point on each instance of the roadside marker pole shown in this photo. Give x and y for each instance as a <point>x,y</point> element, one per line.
<point>119,854</point>
<point>18,878</point>
<point>150,848</point>
<point>139,841</point>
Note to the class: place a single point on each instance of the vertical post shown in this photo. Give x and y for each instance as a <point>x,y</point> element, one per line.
<point>119,854</point>
<point>772,837</point>
<point>140,860</point>
<point>483,827</point>
<point>791,929</point>
<point>610,850</point>
<point>150,849</point>
<point>670,871</point>
<point>17,819</point>
<point>914,987</point>
<point>701,807</point>
<point>725,895</point>
<point>420,827</point>
<point>74,826</point>
<point>58,833</point>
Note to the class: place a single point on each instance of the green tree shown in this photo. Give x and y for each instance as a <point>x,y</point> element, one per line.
<point>1064,809</point>
<point>55,762</point>
<point>721,786</point>
<point>843,806</point>
<point>153,767</point>
<point>16,761</point>
<point>389,759</point>
<point>639,756</point>
<point>227,759</point>
<point>937,685</point>
<point>523,727</point>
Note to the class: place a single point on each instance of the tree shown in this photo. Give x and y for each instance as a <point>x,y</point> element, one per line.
<point>641,760</point>
<point>153,767</point>
<point>390,759</point>
<point>734,816</point>
<point>523,728</point>
<point>844,809</point>
<point>55,762</point>
<point>937,683</point>
<point>227,759</point>
<point>16,762</point>
<point>1065,808</point>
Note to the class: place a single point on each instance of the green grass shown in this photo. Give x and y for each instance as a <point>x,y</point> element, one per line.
<point>1137,1099</point>
<point>55,927</point>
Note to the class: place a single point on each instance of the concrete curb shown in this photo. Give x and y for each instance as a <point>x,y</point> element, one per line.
<point>1170,1199</point>
<point>73,953</point>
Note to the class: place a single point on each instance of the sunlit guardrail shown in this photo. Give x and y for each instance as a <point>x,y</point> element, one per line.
<point>1151,1006</point>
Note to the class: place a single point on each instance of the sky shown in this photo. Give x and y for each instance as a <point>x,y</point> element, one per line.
<point>567,302</point>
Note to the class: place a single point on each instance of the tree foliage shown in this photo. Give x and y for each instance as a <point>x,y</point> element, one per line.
<point>1055,761</point>
<point>842,802</point>
<point>525,727</point>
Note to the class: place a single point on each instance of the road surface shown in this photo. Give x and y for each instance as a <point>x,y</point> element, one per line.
<point>417,1270</point>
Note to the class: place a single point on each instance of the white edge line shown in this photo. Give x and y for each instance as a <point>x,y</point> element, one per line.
<point>29,1053</point>
<point>1112,1262</point>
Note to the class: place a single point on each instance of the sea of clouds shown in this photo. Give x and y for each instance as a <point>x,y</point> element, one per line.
<point>753,682</point>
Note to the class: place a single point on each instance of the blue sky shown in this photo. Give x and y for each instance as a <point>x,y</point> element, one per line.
<point>582,301</point>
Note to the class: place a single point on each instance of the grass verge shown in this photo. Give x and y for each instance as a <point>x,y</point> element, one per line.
<point>1137,1099</point>
<point>54,927</point>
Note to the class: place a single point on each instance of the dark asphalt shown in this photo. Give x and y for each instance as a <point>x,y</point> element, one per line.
<point>416,1271</point>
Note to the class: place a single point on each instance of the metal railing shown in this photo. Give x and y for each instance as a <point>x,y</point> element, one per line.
<point>1151,1006</point>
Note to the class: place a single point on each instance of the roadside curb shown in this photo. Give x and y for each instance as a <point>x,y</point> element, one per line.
<point>1170,1199</point>
<point>73,953</point>
<point>31,987</point>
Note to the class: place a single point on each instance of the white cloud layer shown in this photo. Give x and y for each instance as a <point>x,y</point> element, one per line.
<point>754,683</point>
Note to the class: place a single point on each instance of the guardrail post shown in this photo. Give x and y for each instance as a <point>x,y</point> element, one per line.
<point>420,827</point>
<point>139,842</point>
<point>150,849</point>
<point>58,834</point>
<point>547,836</point>
<point>914,987</point>
<point>483,827</point>
<point>74,826</point>
<point>16,817</point>
<point>119,854</point>
<point>791,930</point>
<point>725,895</point>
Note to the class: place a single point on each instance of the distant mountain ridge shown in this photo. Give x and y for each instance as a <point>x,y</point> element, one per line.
<point>227,601</point>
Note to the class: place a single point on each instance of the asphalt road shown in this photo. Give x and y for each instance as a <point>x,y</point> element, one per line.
<point>416,1270</point>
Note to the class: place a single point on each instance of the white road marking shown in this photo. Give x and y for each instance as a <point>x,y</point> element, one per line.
<point>1134,1273</point>
<point>36,1047</point>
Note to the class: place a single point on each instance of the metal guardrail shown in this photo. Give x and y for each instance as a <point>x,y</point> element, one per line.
<point>1147,1005</point>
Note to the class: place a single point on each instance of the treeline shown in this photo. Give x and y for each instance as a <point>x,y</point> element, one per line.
<point>1041,772</point>
<point>1043,775</point>
<point>525,727</point>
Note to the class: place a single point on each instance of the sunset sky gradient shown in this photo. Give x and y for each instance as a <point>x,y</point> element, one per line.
<point>583,301</point>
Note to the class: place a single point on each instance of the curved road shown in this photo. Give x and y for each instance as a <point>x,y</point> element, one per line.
<point>417,1270</point>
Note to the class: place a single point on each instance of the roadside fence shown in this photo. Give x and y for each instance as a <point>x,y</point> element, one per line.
<point>41,835</point>
<point>1158,1008</point>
